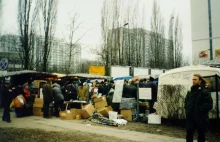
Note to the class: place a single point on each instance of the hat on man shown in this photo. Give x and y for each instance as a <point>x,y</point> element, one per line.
<point>112,81</point>
<point>151,78</point>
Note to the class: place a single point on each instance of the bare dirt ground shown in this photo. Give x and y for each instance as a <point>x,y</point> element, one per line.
<point>35,128</point>
<point>38,135</point>
<point>38,129</point>
<point>166,130</point>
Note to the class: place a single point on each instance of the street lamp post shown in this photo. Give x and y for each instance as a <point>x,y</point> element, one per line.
<point>127,24</point>
<point>129,48</point>
<point>210,28</point>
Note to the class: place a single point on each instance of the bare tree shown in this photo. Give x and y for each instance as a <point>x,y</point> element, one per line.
<point>170,51</point>
<point>1,12</point>
<point>175,46</point>
<point>49,13</point>
<point>157,39</point>
<point>101,52</point>
<point>178,45</point>
<point>143,41</point>
<point>73,43</point>
<point>27,15</point>
<point>105,20</point>
<point>121,45</point>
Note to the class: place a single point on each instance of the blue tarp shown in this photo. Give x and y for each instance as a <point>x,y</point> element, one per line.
<point>124,78</point>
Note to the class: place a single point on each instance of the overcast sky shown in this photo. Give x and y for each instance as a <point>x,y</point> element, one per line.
<point>89,12</point>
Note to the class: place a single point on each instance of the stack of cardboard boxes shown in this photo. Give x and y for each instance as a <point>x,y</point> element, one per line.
<point>37,107</point>
<point>101,106</point>
<point>86,112</point>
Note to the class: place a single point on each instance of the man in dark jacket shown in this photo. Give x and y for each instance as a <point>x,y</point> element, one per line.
<point>71,92</point>
<point>112,84</point>
<point>198,103</point>
<point>142,84</point>
<point>106,87</point>
<point>151,84</point>
<point>58,98</point>
<point>130,91</point>
<point>48,97</point>
<point>7,98</point>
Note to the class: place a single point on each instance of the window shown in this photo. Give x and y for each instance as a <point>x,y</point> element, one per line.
<point>211,82</point>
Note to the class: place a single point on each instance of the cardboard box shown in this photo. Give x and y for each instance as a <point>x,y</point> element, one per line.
<point>38,101</point>
<point>69,116</point>
<point>100,99</point>
<point>110,108</point>
<point>62,115</point>
<point>105,111</point>
<point>101,104</point>
<point>88,111</point>
<point>38,105</point>
<point>127,114</point>
<point>66,115</point>
<point>37,111</point>
<point>78,117</point>
<point>76,112</point>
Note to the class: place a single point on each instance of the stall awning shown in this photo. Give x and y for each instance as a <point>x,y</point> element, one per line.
<point>13,73</point>
<point>91,76</point>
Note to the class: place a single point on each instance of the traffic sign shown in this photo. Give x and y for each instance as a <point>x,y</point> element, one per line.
<point>4,64</point>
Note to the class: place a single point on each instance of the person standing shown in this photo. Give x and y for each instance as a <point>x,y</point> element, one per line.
<point>112,84</point>
<point>106,87</point>
<point>7,99</point>
<point>130,91</point>
<point>151,84</point>
<point>198,103</point>
<point>58,98</point>
<point>71,92</point>
<point>48,97</point>
<point>82,92</point>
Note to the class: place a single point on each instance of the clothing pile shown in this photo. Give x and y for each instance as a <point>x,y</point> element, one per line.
<point>100,119</point>
<point>128,103</point>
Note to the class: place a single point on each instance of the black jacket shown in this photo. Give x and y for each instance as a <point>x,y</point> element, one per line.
<point>153,87</point>
<point>130,91</point>
<point>6,97</point>
<point>142,85</point>
<point>105,89</point>
<point>198,103</point>
<point>47,93</point>
<point>71,93</point>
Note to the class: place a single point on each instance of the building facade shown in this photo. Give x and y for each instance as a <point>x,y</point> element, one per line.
<point>10,48</point>
<point>132,45</point>
<point>205,21</point>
